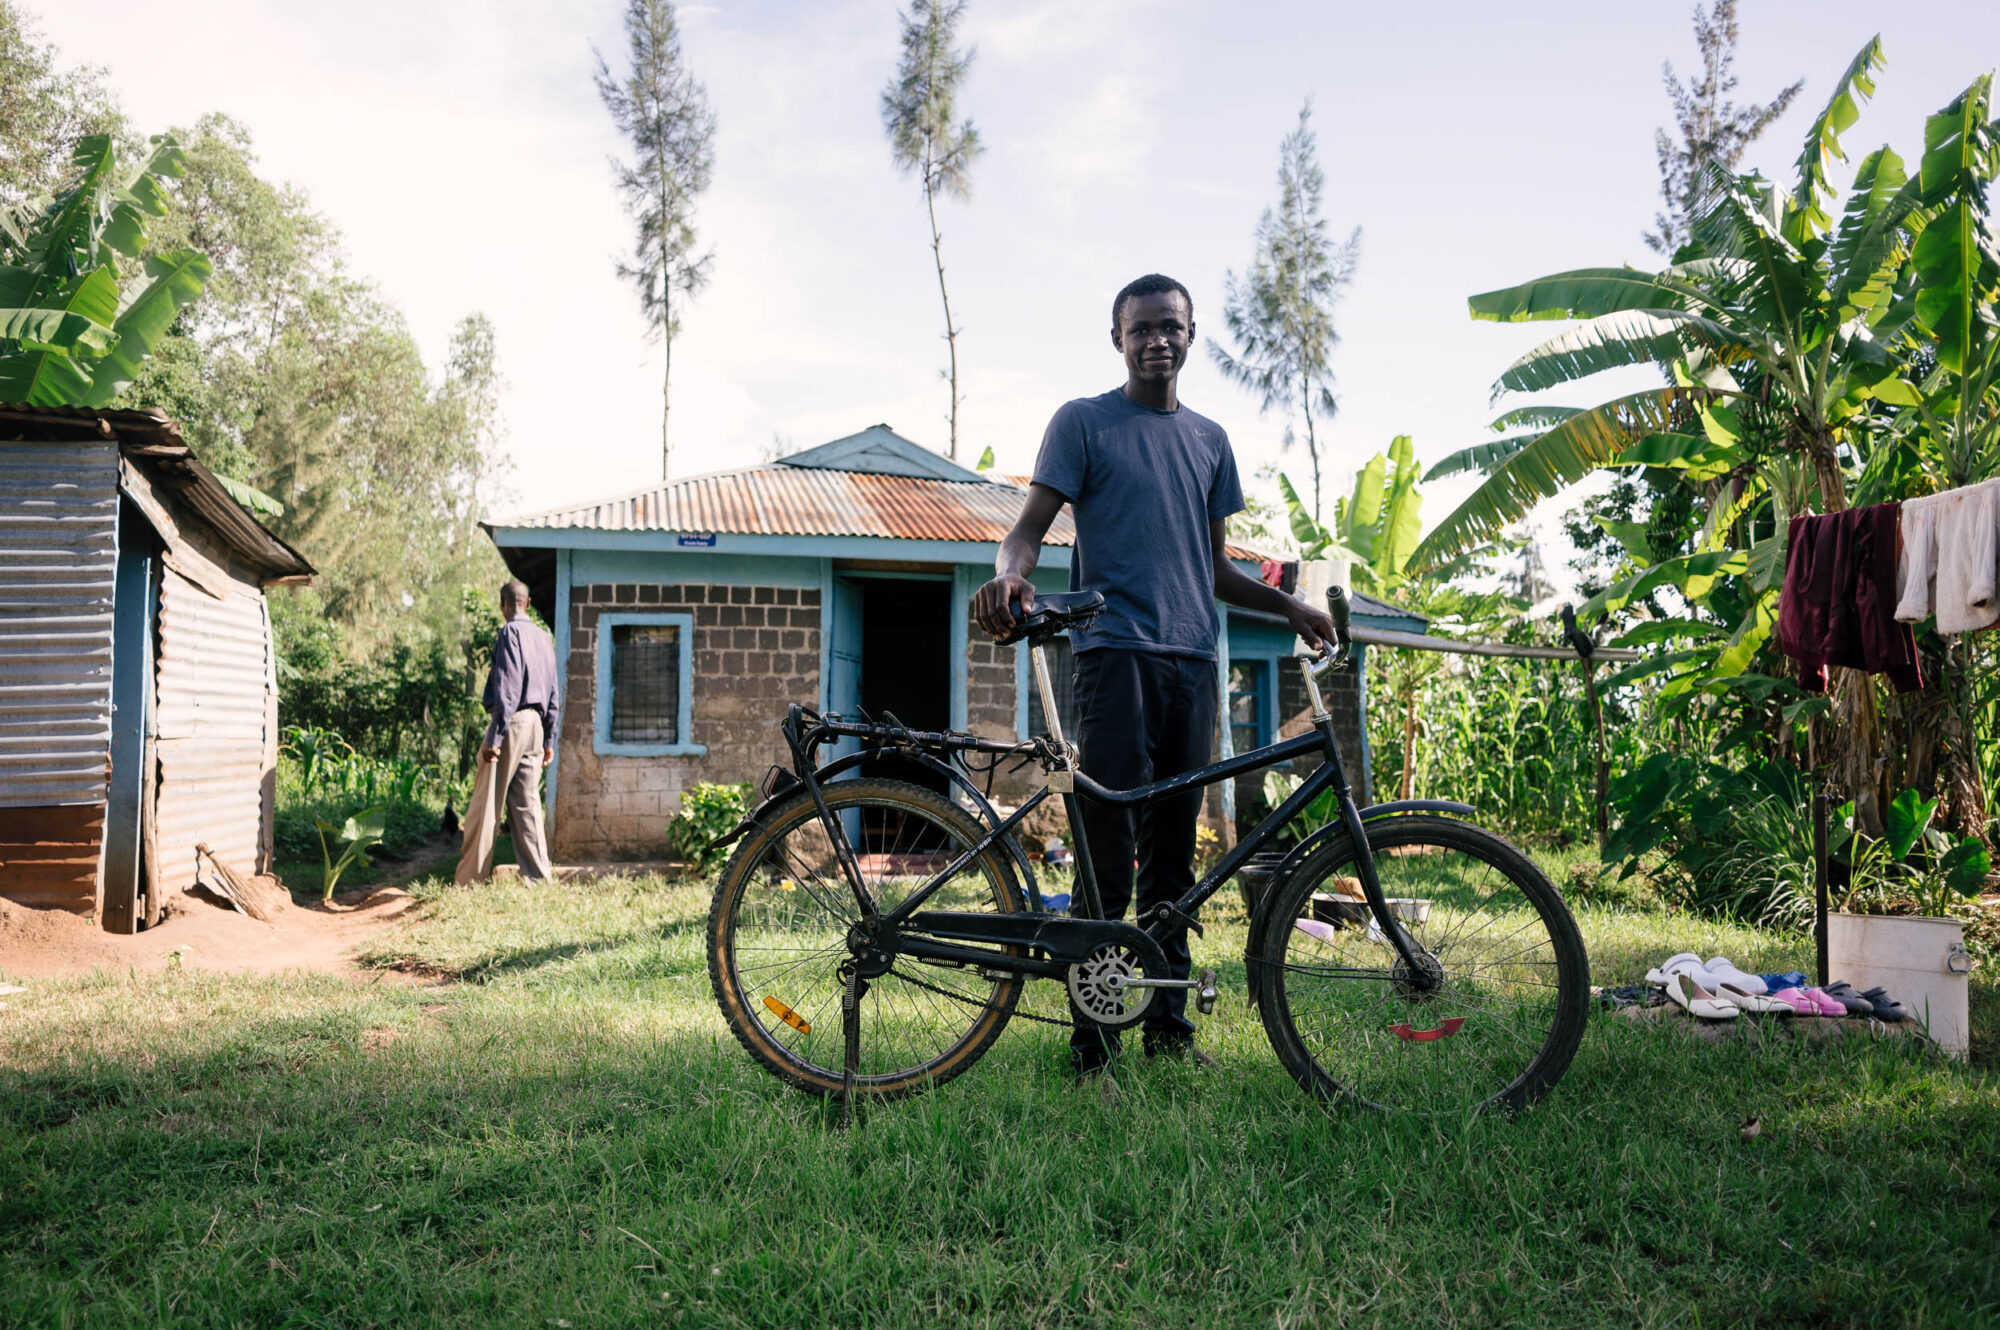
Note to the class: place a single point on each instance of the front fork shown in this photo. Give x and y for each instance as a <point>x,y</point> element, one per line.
<point>1350,818</point>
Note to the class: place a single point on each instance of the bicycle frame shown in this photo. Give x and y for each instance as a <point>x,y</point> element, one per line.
<point>1069,938</point>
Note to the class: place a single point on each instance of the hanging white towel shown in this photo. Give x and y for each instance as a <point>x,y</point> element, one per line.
<point>1950,562</point>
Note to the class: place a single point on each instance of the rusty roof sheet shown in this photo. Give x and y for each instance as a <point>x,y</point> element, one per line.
<point>783,500</point>
<point>152,439</point>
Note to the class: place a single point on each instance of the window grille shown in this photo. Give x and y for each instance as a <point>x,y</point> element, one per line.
<point>645,683</point>
<point>1062,674</point>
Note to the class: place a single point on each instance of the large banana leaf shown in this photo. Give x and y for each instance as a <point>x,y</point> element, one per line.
<point>1868,249</point>
<point>1481,456</point>
<point>178,280</point>
<point>1957,268</point>
<point>144,197</point>
<point>63,241</point>
<point>1611,341</point>
<point>1774,285</point>
<point>1586,293</point>
<point>77,322</point>
<point>1545,467</point>
<point>1533,417</point>
<point>1400,524</point>
<point>49,376</point>
<point>1693,575</point>
<point>1807,216</point>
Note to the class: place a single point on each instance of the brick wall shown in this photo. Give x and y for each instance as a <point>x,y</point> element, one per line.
<point>1343,699</point>
<point>756,650</point>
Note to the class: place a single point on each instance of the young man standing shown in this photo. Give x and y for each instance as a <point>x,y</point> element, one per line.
<point>1152,486</point>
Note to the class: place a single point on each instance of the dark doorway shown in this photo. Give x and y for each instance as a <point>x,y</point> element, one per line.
<point>906,662</point>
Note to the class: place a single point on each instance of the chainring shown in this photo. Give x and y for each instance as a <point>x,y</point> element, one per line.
<point>1110,1004</point>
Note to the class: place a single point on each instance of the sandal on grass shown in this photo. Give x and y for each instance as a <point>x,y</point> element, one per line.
<point>1753,1002</point>
<point>1827,1003</point>
<point>1796,999</point>
<point>1726,972</point>
<point>1669,965</point>
<point>1697,1001</point>
<point>1886,1007</point>
<point>1857,1004</point>
<point>1788,979</point>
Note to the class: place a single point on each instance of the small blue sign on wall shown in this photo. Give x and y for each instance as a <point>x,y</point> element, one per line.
<point>697,539</point>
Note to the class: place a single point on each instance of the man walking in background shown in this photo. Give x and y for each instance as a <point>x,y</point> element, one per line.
<point>520,740</point>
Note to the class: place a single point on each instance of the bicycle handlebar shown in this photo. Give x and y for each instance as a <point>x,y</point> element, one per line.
<point>1337,606</point>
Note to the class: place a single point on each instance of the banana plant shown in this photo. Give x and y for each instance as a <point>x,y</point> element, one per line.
<point>1376,528</point>
<point>1773,297</point>
<point>73,328</point>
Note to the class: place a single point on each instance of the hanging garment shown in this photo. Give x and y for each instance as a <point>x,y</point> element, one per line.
<point>1838,606</point>
<point>1951,559</point>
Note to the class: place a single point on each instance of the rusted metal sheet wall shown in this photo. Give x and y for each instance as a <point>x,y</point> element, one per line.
<point>58,565</point>
<point>215,681</point>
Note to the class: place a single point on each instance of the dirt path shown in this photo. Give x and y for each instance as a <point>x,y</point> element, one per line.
<point>53,943</point>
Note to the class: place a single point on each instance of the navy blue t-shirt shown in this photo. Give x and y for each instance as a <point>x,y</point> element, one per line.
<point>1143,485</point>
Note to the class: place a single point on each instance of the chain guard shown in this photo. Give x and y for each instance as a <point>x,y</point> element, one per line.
<point>1090,987</point>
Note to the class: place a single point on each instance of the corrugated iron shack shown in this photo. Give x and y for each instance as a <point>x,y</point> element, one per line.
<point>138,684</point>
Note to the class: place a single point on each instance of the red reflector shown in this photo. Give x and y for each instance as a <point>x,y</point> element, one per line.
<point>1445,1031</point>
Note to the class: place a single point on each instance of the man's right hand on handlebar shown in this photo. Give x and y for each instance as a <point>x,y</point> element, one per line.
<point>991,604</point>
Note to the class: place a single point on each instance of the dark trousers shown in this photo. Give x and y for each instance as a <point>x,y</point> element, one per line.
<point>1142,717</point>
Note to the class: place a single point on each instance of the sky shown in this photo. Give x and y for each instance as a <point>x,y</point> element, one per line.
<point>462,152</point>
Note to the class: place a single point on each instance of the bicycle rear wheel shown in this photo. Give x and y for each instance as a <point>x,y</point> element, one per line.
<point>1508,987</point>
<point>778,935</point>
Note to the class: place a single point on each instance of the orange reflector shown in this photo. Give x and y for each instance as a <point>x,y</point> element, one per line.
<point>788,1016</point>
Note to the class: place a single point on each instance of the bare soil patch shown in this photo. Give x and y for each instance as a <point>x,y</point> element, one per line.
<point>204,936</point>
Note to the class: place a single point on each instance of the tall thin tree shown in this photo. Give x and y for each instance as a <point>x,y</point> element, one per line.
<point>1712,128</point>
<point>920,112</point>
<point>663,110</point>
<point>1280,313</point>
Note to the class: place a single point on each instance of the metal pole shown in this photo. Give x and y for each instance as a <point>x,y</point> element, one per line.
<point>1819,829</point>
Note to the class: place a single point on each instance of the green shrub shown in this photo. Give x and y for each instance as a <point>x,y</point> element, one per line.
<point>707,811</point>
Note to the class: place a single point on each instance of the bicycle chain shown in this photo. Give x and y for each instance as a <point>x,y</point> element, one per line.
<point>1018,1015</point>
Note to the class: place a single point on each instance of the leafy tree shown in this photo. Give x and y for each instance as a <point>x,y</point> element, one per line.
<point>299,379</point>
<point>1281,312</point>
<point>663,110</point>
<point>72,332</point>
<point>1713,130</point>
<point>920,113</point>
<point>45,110</point>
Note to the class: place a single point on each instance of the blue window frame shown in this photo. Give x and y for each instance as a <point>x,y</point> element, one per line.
<point>1249,705</point>
<point>645,685</point>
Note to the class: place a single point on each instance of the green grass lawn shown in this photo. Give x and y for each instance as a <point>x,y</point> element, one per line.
<point>568,1135</point>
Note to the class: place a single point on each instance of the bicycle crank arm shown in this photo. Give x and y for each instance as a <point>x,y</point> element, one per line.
<point>1203,985</point>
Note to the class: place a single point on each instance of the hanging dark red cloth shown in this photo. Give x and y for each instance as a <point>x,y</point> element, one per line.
<point>1838,606</point>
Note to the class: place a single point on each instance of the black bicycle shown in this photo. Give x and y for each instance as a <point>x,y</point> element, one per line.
<point>872,937</point>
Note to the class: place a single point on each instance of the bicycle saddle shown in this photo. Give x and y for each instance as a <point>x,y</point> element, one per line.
<point>1055,612</point>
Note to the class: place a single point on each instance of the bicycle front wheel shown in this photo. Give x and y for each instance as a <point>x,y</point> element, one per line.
<point>1499,1012</point>
<point>778,935</point>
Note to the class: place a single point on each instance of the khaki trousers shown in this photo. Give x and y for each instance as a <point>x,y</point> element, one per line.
<point>516,780</point>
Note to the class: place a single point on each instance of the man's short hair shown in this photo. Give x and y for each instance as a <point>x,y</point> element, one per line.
<point>514,592</point>
<point>1152,284</point>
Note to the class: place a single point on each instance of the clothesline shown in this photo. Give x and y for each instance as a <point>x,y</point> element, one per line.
<point>1467,647</point>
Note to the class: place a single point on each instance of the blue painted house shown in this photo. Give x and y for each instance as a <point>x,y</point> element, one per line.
<point>690,614</point>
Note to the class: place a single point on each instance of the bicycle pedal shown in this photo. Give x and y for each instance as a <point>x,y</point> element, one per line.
<point>1204,992</point>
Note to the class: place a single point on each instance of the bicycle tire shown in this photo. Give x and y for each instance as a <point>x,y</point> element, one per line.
<point>753,912</point>
<point>1331,1002</point>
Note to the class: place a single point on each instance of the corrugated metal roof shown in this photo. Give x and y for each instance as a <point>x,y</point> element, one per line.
<point>797,501</point>
<point>151,439</point>
<point>58,569</point>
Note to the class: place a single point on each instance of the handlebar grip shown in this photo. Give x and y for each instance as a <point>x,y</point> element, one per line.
<point>1337,606</point>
